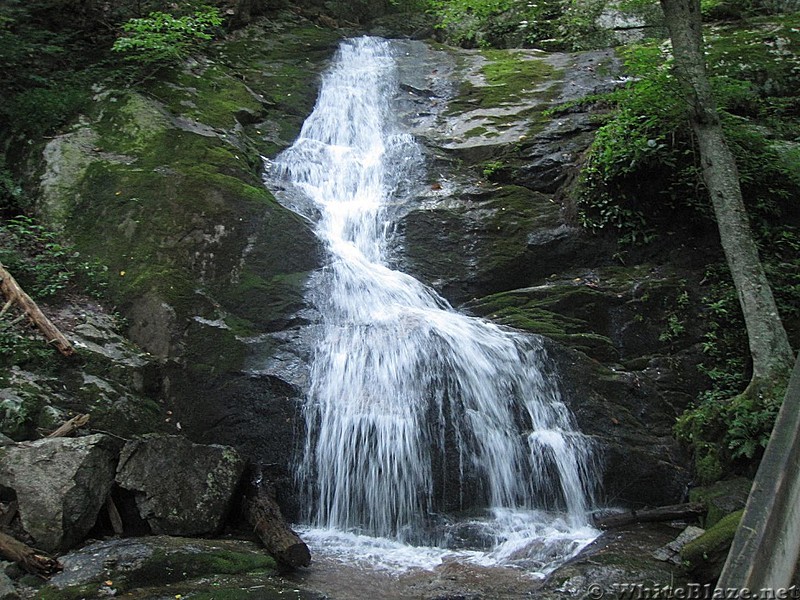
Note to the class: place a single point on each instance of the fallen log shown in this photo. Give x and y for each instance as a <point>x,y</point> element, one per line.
<point>31,560</point>
<point>14,294</point>
<point>280,541</point>
<point>674,512</point>
<point>70,426</point>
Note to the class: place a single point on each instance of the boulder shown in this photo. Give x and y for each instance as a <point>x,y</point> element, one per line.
<point>181,488</point>
<point>616,564</point>
<point>60,484</point>
<point>722,498</point>
<point>640,462</point>
<point>167,567</point>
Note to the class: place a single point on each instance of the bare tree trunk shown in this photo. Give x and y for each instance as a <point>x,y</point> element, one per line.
<point>769,345</point>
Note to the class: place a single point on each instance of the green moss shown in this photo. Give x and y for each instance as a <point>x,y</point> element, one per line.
<point>264,301</point>
<point>21,411</point>
<point>712,547</point>
<point>181,181</point>
<point>210,95</point>
<point>128,416</point>
<point>167,567</point>
<point>551,311</point>
<point>512,76</point>
<point>212,350</point>
<point>708,463</point>
<point>721,498</point>
<point>766,52</point>
<point>477,132</point>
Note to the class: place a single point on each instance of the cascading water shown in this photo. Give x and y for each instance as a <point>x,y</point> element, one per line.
<point>409,398</point>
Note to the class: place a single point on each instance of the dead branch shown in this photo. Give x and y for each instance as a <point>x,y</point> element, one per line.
<point>70,426</point>
<point>114,517</point>
<point>16,295</point>
<point>29,559</point>
<point>673,512</point>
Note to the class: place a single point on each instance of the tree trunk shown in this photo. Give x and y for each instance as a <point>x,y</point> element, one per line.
<point>769,345</point>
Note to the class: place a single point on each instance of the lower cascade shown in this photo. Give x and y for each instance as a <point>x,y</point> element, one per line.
<point>414,411</point>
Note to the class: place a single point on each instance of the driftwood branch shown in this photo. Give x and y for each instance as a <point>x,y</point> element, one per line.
<point>114,516</point>
<point>70,426</point>
<point>280,541</point>
<point>673,512</point>
<point>14,294</point>
<point>29,559</point>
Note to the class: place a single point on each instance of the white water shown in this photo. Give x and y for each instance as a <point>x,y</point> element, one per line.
<point>409,400</point>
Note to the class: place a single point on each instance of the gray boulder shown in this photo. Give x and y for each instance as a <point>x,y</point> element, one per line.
<point>60,484</point>
<point>181,488</point>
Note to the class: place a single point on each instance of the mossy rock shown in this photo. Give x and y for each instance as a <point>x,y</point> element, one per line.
<point>722,498</point>
<point>573,315</point>
<point>613,560</point>
<point>705,556</point>
<point>152,566</point>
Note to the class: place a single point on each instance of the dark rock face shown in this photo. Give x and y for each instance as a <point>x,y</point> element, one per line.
<point>60,485</point>
<point>181,488</point>
<point>640,463</point>
<point>509,250</point>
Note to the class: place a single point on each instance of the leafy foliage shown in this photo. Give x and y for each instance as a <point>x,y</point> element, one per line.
<point>46,269</point>
<point>726,427</point>
<point>161,38</point>
<point>642,179</point>
<point>548,24</point>
<point>42,265</point>
<point>648,132</point>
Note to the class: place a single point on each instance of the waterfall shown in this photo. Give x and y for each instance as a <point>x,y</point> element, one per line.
<point>408,398</point>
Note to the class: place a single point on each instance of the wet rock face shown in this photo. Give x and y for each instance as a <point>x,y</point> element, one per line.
<point>181,488</point>
<point>493,231</point>
<point>492,217</point>
<point>612,562</point>
<point>60,485</point>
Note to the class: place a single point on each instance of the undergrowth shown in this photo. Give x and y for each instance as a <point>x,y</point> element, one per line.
<point>46,270</point>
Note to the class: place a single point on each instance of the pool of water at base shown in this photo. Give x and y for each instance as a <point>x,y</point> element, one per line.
<point>531,544</point>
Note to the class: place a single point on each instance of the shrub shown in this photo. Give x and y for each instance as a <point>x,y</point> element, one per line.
<point>161,38</point>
